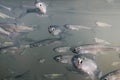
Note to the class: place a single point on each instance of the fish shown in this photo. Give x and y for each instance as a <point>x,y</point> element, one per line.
<point>16,28</point>
<point>15,76</point>
<point>102,24</point>
<point>21,75</point>
<point>53,75</point>
<point>39,7</point>
<point>45,42</point>
<point>62,49</point>
<point>94,49</point>
<point>55,30</point>
<point>113,75</point>
<point>5,16</point>
<point>87,65</point>
<point>76,27</point>
<point>5,7</point>
<point>65,59</point>
<point>2,31</point>
<point>13,49</point>
<point>116,63</point>
<point>8,43</point>
<point>101,41</point>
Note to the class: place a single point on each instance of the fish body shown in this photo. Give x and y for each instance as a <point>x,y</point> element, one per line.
<point>23,29</point>
<point>8,43</point>
<point>62,49</point>
<point>102,24</point>
<point>45,42</point>
<point>90,48</point>
<point>5,16</point>
<point>53,76</point>
<point>15,28</point>
<point>76,27</point>
<point>94,49</point>
<point>13,49</point>
<point>86,65</point>
<point>101,41</point>
<point>2,31</point>
<point>5,7</point>
<point>65,59</point>
<point>114,75</point>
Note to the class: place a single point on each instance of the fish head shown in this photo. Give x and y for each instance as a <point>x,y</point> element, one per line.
<point>107,77</point>
<point>54,30</point>
<point>67,25</point>
<point>76,50</point>
<point>58,58</point>
<point>41,6</point>
<point>83,62</point>
<point>78,61</point>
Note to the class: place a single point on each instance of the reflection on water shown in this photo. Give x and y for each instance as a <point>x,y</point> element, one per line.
<point>61,12</point>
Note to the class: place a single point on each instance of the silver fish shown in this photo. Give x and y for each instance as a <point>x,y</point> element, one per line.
<point>76,27</point>
<point>15,76</point>
<point>55,30</point>
<point>102,24</point>
<point>16,28</point>
<point>114,75</point>
<point>45,42</point>
<point>40,8</point>
<point>66,59</point>
<point>87,65</point>
<point>62,49</point>
<point>2,31</point>
<point>53,75</point>
<point>13,49</point>
<point>5,16</point>
<point>5,7</point>
<point>94,49</point>
<point>101,41</point>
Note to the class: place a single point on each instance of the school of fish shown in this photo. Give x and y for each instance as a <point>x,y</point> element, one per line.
<point>82,57</point>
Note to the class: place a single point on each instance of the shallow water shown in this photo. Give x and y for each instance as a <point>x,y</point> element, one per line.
<point>60,12</point>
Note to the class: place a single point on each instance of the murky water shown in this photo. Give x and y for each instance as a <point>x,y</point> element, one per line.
<point>60,12</point>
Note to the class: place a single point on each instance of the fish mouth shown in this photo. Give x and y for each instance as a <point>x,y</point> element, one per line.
<point>57,58</point>
<point>41,6</point>
<point>43,10</point>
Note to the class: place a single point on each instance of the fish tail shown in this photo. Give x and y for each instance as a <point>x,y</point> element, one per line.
<point>117,49</point>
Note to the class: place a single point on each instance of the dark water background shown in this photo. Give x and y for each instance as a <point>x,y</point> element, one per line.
<point>60,12</point>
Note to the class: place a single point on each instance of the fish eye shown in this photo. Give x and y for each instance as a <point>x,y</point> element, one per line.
<point>105,79</point>
<point>52,29</point>
<point>40,4</point>
<point>80,60</point>
<point>58,58</point>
